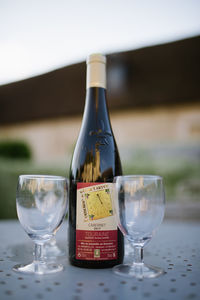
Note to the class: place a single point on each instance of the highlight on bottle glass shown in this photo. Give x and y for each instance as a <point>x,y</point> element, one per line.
<point>140,205</point>
<point>41,202</point>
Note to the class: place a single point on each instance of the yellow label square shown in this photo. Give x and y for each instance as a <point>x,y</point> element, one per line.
<point>99,204</point>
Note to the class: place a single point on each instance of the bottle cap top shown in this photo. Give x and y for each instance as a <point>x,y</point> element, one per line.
<point>97,57</point>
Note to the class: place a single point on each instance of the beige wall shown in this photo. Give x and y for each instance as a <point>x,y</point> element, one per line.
<point>54,139</point>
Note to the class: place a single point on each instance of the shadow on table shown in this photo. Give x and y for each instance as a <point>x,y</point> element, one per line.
<point>23,253</point>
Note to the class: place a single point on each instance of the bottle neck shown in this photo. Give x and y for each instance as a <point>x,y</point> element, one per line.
<point>96,75</point>
<point>96,104</point>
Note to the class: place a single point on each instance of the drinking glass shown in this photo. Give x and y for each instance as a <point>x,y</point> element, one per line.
<point>41,207</point>
<point>140,205</point>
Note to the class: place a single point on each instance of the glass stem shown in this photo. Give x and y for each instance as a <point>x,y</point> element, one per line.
<point>38,253</point>
<point>138,254</point>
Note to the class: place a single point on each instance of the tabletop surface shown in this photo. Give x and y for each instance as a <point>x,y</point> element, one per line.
<point>175,247</point>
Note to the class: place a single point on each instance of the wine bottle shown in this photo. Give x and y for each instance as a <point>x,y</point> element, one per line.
<point>94,238</point>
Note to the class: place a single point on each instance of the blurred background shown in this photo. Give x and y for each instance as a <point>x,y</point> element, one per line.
<point>153,54</point>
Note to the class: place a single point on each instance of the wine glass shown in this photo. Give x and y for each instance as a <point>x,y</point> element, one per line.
<point>41,207</point>
<point>140,205</point>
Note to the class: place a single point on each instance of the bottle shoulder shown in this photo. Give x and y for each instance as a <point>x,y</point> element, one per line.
<point>97,160</point>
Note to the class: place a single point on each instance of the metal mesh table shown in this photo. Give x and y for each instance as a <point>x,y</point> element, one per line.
<point>175,248</point>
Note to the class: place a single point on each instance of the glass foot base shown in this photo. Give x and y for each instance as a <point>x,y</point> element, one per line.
<point>40,269</point>
<point>138,271</point>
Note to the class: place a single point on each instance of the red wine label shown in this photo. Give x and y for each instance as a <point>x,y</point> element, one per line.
<point>96,227</point>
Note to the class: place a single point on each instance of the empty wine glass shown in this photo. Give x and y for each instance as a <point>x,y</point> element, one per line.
<point>139,203</point>
<point>41,207</point>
